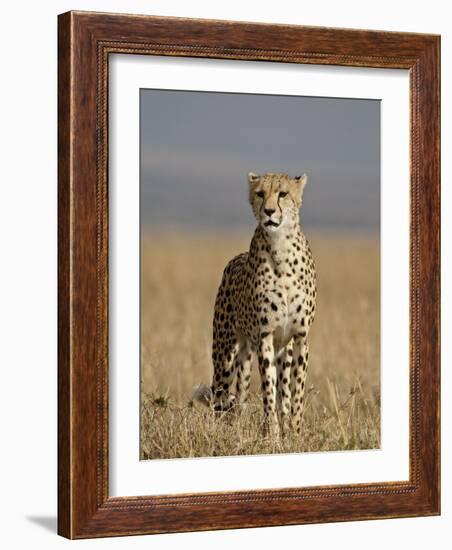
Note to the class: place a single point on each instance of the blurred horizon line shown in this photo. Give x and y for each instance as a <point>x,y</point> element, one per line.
<point>243,230</point>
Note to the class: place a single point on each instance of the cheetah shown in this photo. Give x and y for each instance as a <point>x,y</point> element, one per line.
<point>265,306</point>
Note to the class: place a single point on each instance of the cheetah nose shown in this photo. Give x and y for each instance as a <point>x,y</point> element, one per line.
<point>269,211</point>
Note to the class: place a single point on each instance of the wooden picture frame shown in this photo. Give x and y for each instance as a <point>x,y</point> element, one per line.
<point>85,42</point>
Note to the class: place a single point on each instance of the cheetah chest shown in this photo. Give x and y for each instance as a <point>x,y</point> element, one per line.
<point>276,293</point>
<point>281,303</point>
<point>289,310</point>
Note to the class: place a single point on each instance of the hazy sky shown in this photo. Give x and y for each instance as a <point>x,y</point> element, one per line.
<point>197,148</point>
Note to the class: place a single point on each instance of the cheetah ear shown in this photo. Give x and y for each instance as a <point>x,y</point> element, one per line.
<point>302,181</point>
<point>253,178</point>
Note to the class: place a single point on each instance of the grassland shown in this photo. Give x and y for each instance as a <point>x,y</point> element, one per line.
<point>180,275</point>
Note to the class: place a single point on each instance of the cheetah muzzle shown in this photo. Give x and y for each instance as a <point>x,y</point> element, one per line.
<point>265,307</point>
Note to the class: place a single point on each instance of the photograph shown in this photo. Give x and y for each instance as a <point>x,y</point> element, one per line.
<point>259,274</point>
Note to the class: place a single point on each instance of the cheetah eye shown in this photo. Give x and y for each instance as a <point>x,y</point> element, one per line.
<point>260,194</point>
<point>282,194</point>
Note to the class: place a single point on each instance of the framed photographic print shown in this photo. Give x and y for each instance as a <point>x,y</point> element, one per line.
<point>248,275</point>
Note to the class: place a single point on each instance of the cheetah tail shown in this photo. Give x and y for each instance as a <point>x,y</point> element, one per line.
<point>201,393</point>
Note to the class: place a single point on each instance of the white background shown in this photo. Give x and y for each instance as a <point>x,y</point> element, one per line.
<point>28,271</point>
<point>128,475</point>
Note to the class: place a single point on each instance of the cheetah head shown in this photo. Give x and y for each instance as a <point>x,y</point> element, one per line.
<point>276,199</point>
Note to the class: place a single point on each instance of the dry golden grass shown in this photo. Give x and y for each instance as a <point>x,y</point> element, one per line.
<point>180,276</point>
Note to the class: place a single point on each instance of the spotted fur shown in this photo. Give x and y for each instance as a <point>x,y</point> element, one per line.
<point>265,307</point>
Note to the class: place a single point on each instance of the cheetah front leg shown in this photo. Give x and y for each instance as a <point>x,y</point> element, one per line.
<point>284,365</point>
<point>298,380</point>
<point>267,371</point>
